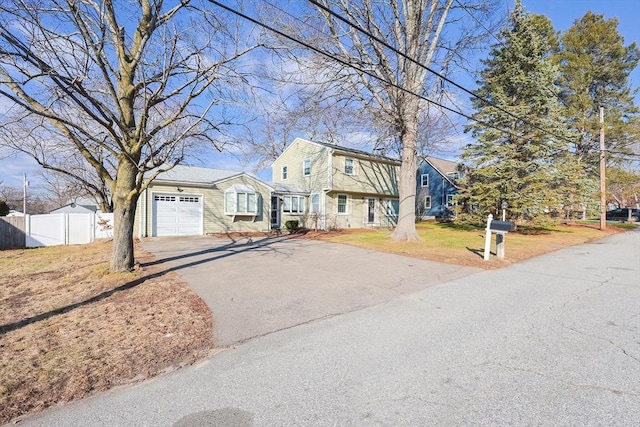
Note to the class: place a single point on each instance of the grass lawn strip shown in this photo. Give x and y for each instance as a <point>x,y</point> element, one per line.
<point>68,329</point>
<point>461,244</point>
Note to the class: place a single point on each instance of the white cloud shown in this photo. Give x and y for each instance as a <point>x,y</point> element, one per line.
<point>13,168</point>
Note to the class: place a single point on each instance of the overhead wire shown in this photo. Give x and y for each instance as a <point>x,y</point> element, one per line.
<point>389,83</point>
<point>453,125</point>
<point>448,80</point>
<point>349,64</point>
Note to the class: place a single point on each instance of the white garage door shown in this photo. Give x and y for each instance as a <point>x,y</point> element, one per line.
<point>177,215</point>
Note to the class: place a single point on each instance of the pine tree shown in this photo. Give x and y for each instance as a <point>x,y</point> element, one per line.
<point>513,159</point>
<point>595,66</point>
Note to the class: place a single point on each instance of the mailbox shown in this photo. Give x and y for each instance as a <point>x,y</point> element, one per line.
<point>503,226</point>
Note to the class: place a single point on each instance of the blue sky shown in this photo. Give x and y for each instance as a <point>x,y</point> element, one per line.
<point>561,12</point>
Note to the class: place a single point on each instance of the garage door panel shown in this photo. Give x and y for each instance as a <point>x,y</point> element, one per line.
<point>177,215</point>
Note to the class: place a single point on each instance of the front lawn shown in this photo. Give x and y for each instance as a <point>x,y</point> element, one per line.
<point>461,244</point>
<point>68,328</point>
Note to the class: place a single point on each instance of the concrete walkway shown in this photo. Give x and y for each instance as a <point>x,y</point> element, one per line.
<point>553,341</point>
<point>258,286</point>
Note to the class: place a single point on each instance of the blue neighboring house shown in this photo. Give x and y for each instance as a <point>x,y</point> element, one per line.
<point>436,187</point>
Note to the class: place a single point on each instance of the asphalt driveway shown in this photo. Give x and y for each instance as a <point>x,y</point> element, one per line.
<point>256,286</point>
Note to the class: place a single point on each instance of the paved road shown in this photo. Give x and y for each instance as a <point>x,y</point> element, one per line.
<point>550,341</point>
<point>258,286</point>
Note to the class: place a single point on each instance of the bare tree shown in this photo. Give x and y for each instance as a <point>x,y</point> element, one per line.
<point>384,68</point>
<point>12,196</point>
<point>67,171</point>
<point>127,85</point>
<point>60,189</point>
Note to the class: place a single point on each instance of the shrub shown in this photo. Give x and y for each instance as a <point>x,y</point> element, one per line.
<point>291,225</point>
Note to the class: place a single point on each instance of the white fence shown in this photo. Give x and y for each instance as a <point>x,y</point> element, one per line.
<point>67,228</point>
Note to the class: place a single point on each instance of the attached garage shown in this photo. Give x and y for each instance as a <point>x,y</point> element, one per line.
<point>194,201</point>
<point>176,215</point>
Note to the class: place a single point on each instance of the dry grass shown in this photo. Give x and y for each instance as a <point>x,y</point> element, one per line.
<point>68,328</point>
<point>463,245</point>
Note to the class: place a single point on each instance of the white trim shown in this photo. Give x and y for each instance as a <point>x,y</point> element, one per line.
<point>254,178</point>
<point>323,211</point>
<point>450,200</point>
<point>237,191</point>
<point>301,202</point>
<point>353,166</point>
<point>422,184</point>
<point>330,153</point>
<point>311,203</point>
<point>304,167</point>
<point>346,205</point>
<point>284,173</point>
<point>424,203</point>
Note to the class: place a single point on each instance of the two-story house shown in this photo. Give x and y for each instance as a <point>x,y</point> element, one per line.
<point>322,186</point>
<point>346,188</point>
<point>436,187</point>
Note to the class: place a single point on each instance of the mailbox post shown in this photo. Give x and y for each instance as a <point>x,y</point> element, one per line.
<point>501,228</point>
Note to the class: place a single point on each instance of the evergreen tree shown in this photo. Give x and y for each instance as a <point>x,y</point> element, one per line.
<point>519,163</point>
<point>595,66</point>
<point>4,208</point>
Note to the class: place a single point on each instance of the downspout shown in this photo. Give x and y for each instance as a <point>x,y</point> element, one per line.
<point>444,198</point>
<point>143,214</point>
<point>330,169</point>
<point>329,187</point>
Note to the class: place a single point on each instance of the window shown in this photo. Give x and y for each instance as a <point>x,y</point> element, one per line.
<point>284,172</point>
<point>450,201</point>
<point>240,202</point>
<point>315,203</point>
<point>392,207</point>
<point>189,199</point>
<point>293,204</point>
<point>424,180</point>
<point>306,167</point>
<point>349,166</point>
<point>165,198</point>
<point>342,203</point>
<point>427,202</point>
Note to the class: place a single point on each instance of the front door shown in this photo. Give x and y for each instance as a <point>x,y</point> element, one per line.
<point>371,211</point>
<point>275,211</point>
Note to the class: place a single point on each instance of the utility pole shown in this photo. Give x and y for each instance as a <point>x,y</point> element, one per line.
<point>603,181</point>
<point>24,193</point>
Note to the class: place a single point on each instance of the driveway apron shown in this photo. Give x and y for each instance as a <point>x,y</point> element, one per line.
<point>256,286</point>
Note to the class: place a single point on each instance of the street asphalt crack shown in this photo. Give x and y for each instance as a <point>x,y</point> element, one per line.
<point>307,322</point>
<point>570,383</point>
<point>606,340</point>
<point>577,295</point>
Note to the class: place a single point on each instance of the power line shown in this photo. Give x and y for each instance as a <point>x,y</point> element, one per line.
<point>370,74</point>
<point>393,49</point>
<point>470,92</point>
<point>351,65</point>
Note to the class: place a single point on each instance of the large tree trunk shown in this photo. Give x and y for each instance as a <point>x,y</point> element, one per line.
<point>125,198</point>
<point>406,227</point>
